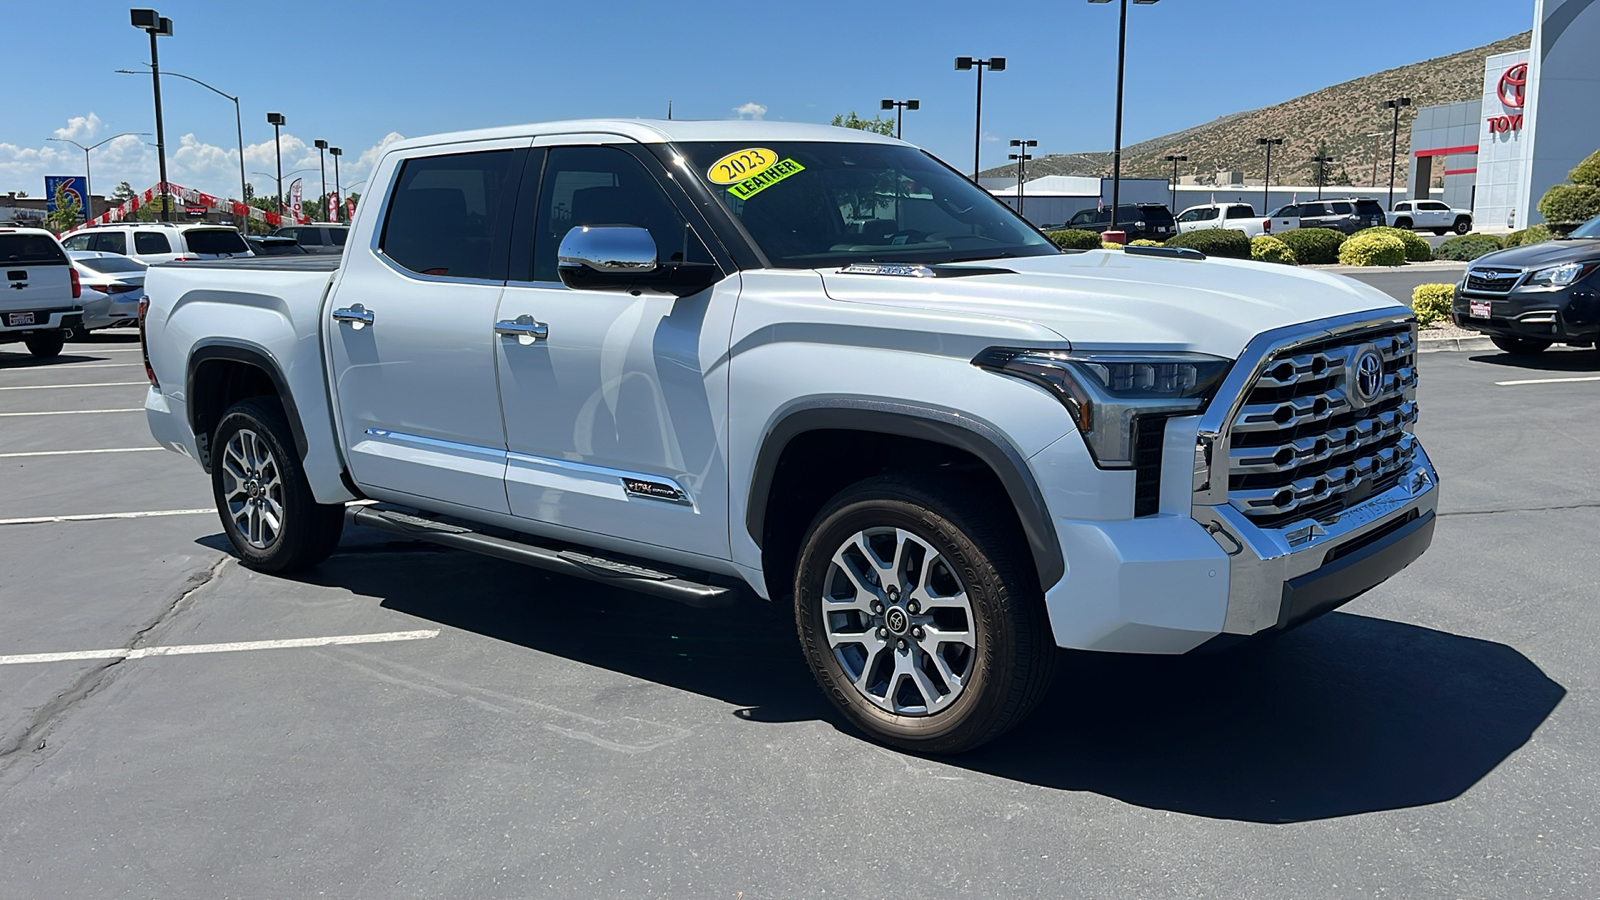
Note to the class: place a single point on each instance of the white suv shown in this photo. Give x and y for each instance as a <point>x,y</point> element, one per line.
<point>159,242</point>
<point>1425,215</point>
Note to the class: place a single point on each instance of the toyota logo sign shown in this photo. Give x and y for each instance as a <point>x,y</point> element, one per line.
<point>1513,88</point>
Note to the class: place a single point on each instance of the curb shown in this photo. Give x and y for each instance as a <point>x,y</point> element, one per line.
<point>1442,344</point>
<point>1437,265</point>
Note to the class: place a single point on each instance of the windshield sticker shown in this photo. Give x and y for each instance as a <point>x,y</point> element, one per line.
<point>762,180</point>
<point>740,164</point>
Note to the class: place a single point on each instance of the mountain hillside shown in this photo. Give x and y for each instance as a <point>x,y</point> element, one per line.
<point>1344,116</point>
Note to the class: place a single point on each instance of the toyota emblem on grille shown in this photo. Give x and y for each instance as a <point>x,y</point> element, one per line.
<point>1368,375</point>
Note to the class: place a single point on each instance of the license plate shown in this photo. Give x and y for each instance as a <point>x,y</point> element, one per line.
<point>1478,309</point>
<point>22,318</point>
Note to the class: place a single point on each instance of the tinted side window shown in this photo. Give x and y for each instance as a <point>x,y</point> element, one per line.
<point>338,235</point>
<point>77,242</point>
<point>605,186</point>
<point>215,240</point>
<point>1241,212</point>
<point>30,249</point>
<point>1367,208</point>
<point>1081,217</point>
<point>1157,214</point>
<point>110,242</point>
<point>309,237</point>
<point>451,215</point>
<point>151,242</point>
<point>1343,209</point>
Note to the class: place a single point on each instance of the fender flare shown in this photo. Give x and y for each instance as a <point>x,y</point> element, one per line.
<point>938,426</point>
<point>253,355</point>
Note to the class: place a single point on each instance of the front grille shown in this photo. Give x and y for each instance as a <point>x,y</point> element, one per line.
<point>1491,280</point>
<point>1307,445</point>
<point>1149,434</point>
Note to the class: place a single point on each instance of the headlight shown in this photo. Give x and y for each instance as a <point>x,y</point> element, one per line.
<point>1560,276</point>
<point>1104,392</point>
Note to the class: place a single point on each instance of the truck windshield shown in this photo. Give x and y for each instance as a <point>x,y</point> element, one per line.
<point>814,204</point>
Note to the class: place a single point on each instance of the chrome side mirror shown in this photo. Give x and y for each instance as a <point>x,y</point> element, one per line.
<point>607,249</point>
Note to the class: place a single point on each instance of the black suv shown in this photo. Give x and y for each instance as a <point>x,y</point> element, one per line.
<point>1347,214</point>
<point>321,237</point>
<point>1527,298</point>
<point>1141,221</point>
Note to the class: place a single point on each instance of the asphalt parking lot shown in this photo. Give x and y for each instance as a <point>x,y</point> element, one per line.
<point>503,733</point>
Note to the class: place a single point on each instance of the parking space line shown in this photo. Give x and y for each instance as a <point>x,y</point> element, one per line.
<point>94,517</point>
<point>73,412</point>
<point>49,387</point>
<point>78,452</point>
<point>69,367</point>
<point>232,647</point>
<point>1549,380</point>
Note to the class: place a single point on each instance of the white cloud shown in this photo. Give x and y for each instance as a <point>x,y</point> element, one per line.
<point>80,128</point>
<point>191,163</point>
<point>750,111</point>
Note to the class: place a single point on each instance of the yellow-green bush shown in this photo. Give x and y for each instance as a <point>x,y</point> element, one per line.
<point>1144,242</point>
<point>1431,302</point>
<point>1267,248</point>
<point>1536,234</point>
<point>1417,249</point>
<point>1373,250</point>
<point>1111,245</point>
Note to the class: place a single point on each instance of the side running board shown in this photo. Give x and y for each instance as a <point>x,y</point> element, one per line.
<point>566,562</point>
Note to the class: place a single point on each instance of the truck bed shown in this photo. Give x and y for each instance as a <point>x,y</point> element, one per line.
<point>318,262</point>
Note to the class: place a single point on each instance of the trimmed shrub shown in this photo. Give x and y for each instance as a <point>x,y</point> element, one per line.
<point>1267,248</point>
<point>1417,249</point>
<point>1372,250</point>
<point>1587,172</point>
<point>1111,245</point>
<point>1075,239</point>
<point>1536,234</point>
<point>1223,242</point>
<point>1431,302</point>
<point>1314,246</point>
<point>1467,247</point>
<point>1566,206</point>
<point>1144,242</point>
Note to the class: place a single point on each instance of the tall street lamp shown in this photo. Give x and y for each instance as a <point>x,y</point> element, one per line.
<point>335,152</point>
<point>1021,156</point>
<point>322,165</point>
<point>1172,190</point>
<point>1116,152</point>
<point>1394,139</point>
<point>1266,187</point>
<point>157,26</point>
<point>277,121</point>
<point>238,123</point>
<point>1322,171</point>
<point>966,63</point>
<point>88,190</point>
<point>900,107</point>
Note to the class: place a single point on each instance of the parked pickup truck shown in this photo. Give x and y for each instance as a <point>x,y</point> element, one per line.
<point>815,365</point>
<point>43,297</point>
<point>1234,216</point>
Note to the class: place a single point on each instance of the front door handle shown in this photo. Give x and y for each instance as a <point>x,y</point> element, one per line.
<point>357,315</point>
<point>526,329</point>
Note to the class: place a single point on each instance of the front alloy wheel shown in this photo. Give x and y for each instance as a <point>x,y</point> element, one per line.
<point>899,622</point>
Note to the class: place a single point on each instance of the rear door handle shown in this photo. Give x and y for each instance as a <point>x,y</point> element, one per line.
<point>357,315</point>
<point>526,329</point>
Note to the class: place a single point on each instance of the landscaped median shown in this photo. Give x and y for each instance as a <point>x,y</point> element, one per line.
<point>1380,245</point>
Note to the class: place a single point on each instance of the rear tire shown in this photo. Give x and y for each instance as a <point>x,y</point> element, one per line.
<point>920,615</point>
<point>262,495</point>
<point>1441,231</point>
<point>1517,346</point>
<point>46,344</point>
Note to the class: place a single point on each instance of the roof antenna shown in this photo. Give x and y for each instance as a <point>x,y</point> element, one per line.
<point>669,110</point>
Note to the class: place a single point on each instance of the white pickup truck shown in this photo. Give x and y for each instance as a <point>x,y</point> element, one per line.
<point>1235,217</point>
<point>815,365</point>
<point>43,297</point>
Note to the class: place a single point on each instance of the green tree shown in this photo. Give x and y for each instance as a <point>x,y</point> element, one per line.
<point>67,211</point>
<point>122,193</point>
<point>876,124</point>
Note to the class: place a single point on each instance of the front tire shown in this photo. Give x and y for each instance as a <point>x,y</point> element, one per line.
<point>262,495</point>
<point>920,615</point>
<point>1404,224</point>
<point>1463,225</point>
<point>46,344</point>
<point>1518,346</point>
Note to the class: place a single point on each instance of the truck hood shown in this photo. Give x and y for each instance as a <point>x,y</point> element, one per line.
<point>1108,299</point>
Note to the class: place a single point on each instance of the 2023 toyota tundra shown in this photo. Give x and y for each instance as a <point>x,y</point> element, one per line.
<point>686,356</point>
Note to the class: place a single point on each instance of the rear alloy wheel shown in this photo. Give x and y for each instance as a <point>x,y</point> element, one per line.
<point>46,344</point>
<point>1518,346</point>
<point>921,617</point>
<point>266,504</point>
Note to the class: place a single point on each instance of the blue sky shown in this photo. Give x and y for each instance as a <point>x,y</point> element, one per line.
<point>358,73</point>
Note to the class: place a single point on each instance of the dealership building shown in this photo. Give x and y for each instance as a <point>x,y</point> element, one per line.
<point>1535,121</point>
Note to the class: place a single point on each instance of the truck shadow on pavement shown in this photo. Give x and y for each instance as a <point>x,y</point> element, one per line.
<point>1549,361</point>
<point>1346,715</point>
